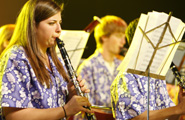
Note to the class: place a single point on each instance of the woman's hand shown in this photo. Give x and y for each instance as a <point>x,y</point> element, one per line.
<point>75,105</point>
<point>181,100</point>
<point>72,90</point>
<point>83,87</point>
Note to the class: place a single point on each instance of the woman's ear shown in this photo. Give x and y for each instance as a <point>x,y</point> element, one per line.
<point>35,25</point>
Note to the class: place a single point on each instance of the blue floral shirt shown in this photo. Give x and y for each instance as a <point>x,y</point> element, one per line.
<point>20,87</point>
<point>98,78</point>
<point>129,95</point>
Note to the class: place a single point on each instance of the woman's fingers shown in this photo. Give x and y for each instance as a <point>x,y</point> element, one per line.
<point>82,83</point>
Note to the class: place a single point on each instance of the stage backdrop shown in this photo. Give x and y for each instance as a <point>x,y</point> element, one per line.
<point>79,13</point>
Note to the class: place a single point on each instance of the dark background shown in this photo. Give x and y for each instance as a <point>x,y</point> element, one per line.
<point>78,14</point>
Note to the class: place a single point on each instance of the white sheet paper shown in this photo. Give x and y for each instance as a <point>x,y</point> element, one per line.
<point>75,42</point>
<point>141,51</point>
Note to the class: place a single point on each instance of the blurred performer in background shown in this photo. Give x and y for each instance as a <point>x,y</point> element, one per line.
<point>100,68</point>
<point>34,84</point>
<point>129,95</point>
<point>6,32</point>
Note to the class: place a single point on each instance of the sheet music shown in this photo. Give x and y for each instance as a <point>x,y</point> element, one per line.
<point>141,51</point>
<point>75,42</point>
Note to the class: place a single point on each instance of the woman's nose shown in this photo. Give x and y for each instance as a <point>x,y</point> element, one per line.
<point>59,28</point>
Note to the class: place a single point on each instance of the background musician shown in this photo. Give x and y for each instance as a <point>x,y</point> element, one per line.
<point>100,68</point>
<point>6,32</point>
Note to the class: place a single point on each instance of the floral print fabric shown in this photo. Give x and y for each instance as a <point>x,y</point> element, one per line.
<point>132,98</point>
<point>98,78</point>
<point>20,87</point>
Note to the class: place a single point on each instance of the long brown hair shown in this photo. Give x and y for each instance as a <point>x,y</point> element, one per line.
<point>32,13</point>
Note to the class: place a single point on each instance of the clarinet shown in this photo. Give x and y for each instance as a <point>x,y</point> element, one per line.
<point>72,73</point>
<point>178,76</point>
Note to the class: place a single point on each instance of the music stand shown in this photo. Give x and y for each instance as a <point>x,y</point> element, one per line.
<point>160,74</point>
